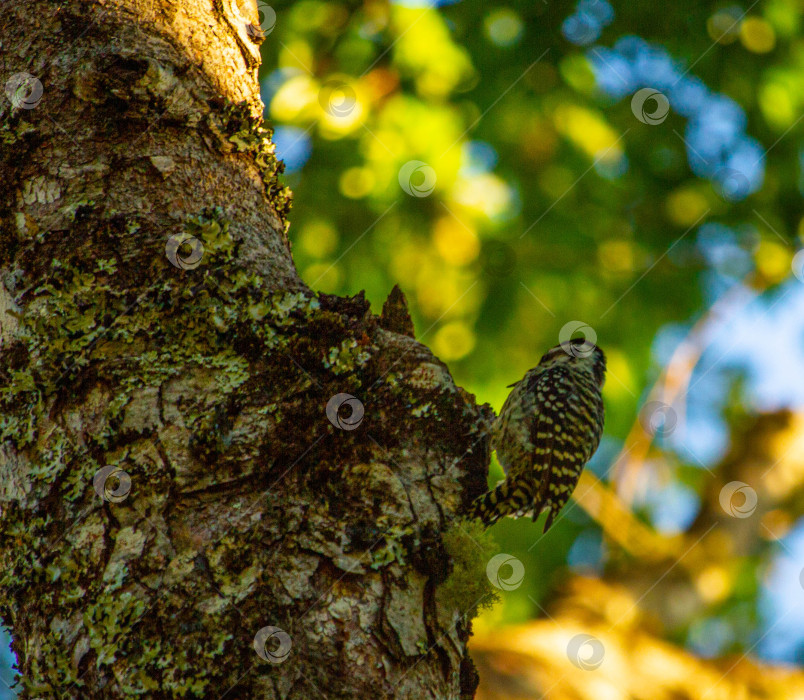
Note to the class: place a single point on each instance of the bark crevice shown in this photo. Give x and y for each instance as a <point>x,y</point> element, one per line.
<point>170,481</point>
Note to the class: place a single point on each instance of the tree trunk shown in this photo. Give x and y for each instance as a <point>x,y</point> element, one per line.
<point>187,506</point>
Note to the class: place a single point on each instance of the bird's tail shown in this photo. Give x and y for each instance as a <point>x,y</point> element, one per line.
<point>505,499</point>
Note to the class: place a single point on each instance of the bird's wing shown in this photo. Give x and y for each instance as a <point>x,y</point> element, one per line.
<point>553,437</point>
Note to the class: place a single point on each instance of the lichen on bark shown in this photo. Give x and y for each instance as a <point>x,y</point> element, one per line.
<point>170,482</point>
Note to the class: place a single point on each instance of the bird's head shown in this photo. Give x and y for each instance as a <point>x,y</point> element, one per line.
<point>580,353</point>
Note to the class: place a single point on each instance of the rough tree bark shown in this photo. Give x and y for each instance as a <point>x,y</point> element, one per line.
<point>170,482</point>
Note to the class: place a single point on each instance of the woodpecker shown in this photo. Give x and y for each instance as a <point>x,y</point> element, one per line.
<point>549,427</point>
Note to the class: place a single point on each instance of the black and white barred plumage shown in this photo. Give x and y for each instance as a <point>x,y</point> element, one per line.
<point>549,427</point>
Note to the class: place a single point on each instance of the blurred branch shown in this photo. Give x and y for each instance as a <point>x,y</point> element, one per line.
<point>610,508</point>
<point>672,387</point>
<point>598,644</point>
<point>619,523</point>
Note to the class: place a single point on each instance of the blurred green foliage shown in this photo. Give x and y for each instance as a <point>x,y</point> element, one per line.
<point>550,199</point>
<point>536,197</point>
<point>471,154</point>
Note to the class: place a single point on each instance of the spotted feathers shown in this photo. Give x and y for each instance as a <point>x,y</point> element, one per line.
<point>549,427</point>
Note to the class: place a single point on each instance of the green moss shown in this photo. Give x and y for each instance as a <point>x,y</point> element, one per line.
<point>11,133</point>
<point>73,208</point>
<point>467,589</point>
<point>247,134</point>
<point>217,325</point>
<point>346,357</point>
<point>392,549</point>
<point>212,228</point>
